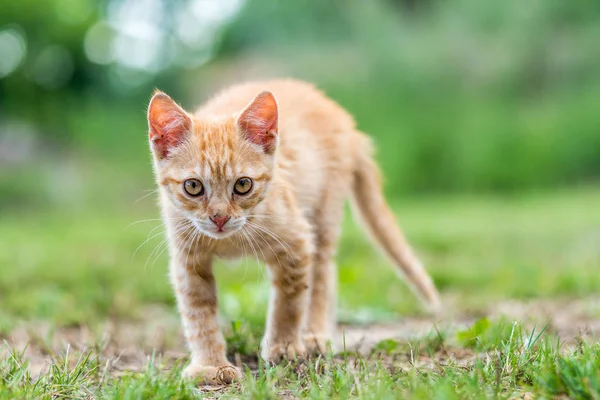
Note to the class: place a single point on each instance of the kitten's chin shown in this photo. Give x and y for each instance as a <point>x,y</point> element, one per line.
<point>219,234</point>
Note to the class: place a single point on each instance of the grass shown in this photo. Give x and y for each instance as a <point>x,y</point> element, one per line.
<point>67,267</point>
<point>506,362</point>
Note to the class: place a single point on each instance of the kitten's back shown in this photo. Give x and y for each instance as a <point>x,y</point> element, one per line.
<point>298,102</point>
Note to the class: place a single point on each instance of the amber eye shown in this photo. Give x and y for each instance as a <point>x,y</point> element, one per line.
<point>193,187</point>
<point>242,186</point>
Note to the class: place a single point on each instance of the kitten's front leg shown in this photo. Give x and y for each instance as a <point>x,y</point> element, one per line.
<point>288,303</point>
<point>196,293</point>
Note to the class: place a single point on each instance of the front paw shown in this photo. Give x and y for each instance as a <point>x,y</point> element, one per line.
<point>277,352</point>
<point>211,375</point>
<point>317,343</point>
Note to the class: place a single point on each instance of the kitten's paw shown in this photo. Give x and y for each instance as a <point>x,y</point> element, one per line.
<point>211,375</point>
<point>317,343</point>
<point>275,353</point>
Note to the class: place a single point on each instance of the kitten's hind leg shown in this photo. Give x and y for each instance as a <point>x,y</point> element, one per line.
<point>321,322</point>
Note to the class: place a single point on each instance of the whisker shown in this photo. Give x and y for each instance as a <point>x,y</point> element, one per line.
<point>146,195</point>
<point>158,256</point>
<point>154,219</point>
<point>156,249</point>
<point>267,243</point>
<point>248,238</point>
<point>186,226</point>
<point>270,216</point>
<point>251,237</point>
<point>246,235</point>
<point>244,255</point>
<point>178,231</point>
<point>277,238</point>
<point>148,238</point>
<point>264,259</point>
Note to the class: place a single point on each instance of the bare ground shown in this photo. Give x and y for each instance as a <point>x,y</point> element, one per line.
<point>128,346</point>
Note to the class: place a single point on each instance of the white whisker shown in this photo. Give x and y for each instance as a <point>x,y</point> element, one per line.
<point>148,238</point>
<point>248,238</point>
<point>267,243</point>
<point>146,195</point>
<point>153,219</point>
<point>277,238</point>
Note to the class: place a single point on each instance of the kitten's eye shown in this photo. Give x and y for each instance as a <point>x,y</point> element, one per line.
<point>193,187</point>
<point>242,186</point>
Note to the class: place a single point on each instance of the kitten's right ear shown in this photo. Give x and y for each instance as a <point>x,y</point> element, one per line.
<point>167,123</point>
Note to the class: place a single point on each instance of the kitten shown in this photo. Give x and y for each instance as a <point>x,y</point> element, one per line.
<point>266,173</point>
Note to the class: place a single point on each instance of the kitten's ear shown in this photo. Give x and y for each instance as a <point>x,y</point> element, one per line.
<point>258,121</point>
<point>168,124</point>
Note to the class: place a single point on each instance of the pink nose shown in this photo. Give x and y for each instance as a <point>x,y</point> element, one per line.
<point>219,221</point>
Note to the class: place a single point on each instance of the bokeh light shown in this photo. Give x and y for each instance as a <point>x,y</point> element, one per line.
<point>53,67</point>
<point>13,49</point>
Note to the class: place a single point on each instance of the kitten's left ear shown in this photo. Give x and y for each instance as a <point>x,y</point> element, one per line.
<point>258,122</point>
<point>168,124</point>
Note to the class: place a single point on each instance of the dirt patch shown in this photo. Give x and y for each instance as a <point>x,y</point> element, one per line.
<point>128,346</point>
<point>568,319</point>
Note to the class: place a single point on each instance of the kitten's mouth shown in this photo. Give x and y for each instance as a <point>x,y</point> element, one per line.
<point>215,232</point>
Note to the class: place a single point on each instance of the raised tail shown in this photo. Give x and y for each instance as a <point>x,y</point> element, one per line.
<point>380,222</point>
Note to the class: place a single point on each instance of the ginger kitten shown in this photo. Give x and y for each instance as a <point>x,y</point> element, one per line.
<point>264,168</point>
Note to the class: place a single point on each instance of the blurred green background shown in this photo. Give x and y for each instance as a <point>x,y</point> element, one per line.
<point>481,111</point>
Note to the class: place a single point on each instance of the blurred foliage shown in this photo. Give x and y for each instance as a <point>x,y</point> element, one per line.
<point>460,95</point>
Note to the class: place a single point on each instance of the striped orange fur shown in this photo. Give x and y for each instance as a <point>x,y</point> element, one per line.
<point>264,169</point>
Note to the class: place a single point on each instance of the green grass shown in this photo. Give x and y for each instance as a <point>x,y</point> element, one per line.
<point>506,362</point>
<point>68,265</point>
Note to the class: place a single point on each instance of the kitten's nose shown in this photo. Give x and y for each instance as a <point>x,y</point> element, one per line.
<point>219,221</point>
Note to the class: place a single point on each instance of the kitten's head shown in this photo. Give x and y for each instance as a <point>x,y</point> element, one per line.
<point>214,171</point>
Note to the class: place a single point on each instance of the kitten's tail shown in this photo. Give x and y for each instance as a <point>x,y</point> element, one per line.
<point>380,221</point>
